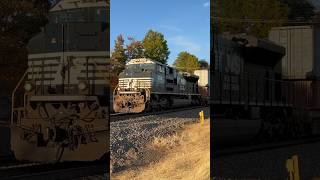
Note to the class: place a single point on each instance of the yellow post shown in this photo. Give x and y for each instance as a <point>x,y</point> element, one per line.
<point>296,167</point>
<point>201,114</point>
<point>290,168</point>
<point>293,168</point>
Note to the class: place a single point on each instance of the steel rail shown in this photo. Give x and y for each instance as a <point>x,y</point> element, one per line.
<point>230,151</point>
<point>125,116</point>
<point>56,171</point>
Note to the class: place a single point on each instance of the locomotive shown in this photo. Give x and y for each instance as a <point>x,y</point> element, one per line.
<point>147,85</point>
<point>60,109</point>
<point>249,86</point>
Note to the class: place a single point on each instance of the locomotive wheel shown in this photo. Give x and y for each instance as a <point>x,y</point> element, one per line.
<point>164,104</point>
<point>154,107</point>
<point>148,108</point>
<point>168,104</point>
<point>273,130</point>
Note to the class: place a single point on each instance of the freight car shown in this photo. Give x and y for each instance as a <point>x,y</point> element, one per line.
<point>147,85</point>
<point>302,58</point>
<point>301,66</point>
<point>247,84</point>
<point>59,108</point>
<point>203,84</point>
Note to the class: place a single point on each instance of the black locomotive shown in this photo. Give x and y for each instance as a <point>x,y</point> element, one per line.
<point>146,85</point>
<point>247,84</point>
<point>59,107</point>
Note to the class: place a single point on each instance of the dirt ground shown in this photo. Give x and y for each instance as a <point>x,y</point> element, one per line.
<point>184,155</point>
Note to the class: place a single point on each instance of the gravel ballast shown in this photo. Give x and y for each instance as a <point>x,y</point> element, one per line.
<point>130,138</point>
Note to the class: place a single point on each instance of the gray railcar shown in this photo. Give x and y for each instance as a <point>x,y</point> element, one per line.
<point>302,58</point>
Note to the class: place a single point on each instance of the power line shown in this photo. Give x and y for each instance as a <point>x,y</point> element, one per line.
<point>271,21</point>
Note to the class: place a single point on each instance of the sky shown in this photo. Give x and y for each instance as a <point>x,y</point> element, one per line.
<point>185,24</point>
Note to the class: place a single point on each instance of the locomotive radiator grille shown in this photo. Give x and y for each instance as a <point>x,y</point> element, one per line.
<point>54,72</point>
<point>131,83</point>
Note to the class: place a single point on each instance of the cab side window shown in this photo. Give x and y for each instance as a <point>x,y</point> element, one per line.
<point>160,68</point>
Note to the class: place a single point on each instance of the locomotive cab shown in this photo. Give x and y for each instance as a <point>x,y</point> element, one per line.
<point>135,82</point>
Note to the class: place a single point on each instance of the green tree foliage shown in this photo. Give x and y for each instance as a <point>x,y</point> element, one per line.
<point>135,49</point>
<point>155,47</point>
<point>253,17</point>
<point>186,62</point>
<point>299,10</point>
<point>118,56</point>
<point>203,64</point>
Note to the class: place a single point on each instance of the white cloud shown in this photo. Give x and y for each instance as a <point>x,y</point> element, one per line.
<point>206,4</point>
<point>170,28</point>
<point>185,44</point>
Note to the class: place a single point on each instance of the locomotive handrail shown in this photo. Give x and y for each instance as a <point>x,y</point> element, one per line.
<point>115,89</point>
<point>278,92</point>
<point>96,65</point>
<point>13,94</point>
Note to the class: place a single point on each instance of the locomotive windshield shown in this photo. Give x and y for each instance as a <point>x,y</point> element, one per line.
<point>93,14</point>
<point>140,67</point>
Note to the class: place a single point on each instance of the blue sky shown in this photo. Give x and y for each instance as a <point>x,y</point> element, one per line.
<point>184,23</point>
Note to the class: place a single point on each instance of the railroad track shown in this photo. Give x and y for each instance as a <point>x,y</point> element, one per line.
<point>54,171</point>
<point>125,116</point>
<point>262,147</point>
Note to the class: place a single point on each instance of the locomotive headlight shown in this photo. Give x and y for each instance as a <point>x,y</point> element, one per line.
<point>28,86</point>
<point>82,85</point>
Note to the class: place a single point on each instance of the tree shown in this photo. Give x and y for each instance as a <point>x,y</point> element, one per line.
<point>23,19</point>
<point>19,22</point>
<point>135,49</point>
<point>299,10</point>
<point>203,64</point>
<point>253,17</point>
<point>155,47</point>
<point>118,56</point>
<point>186,62</point>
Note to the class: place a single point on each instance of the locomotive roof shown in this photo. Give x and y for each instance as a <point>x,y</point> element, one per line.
<point>77,4</point>
<point>258,51</point>
<point>190,77</point>
<point>253,42</point>
<point>143,60</point>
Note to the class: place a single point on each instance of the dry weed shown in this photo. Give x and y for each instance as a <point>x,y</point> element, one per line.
<point>182,155</point>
